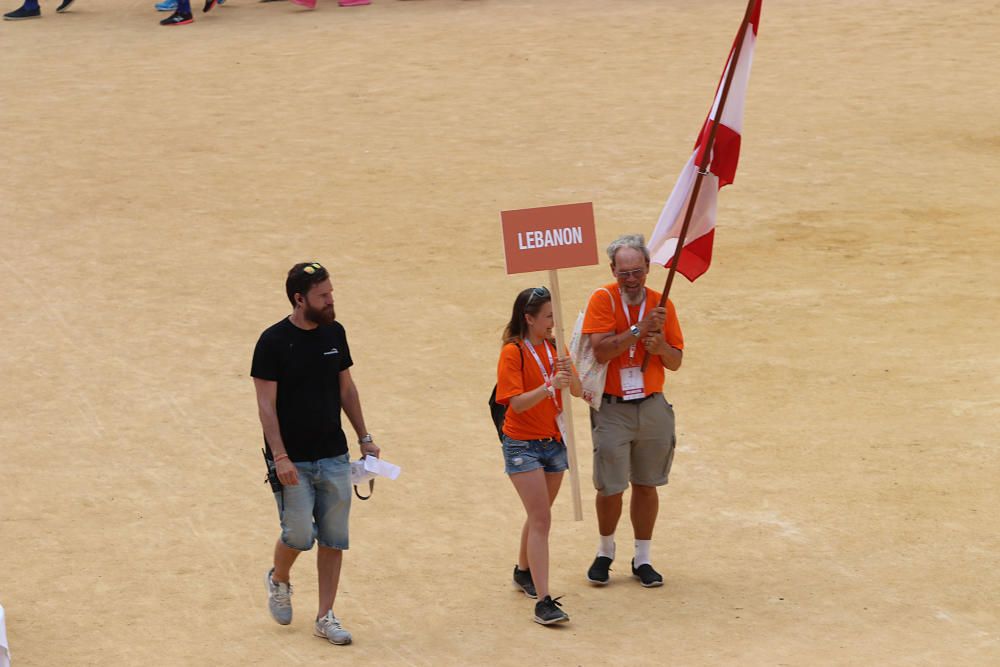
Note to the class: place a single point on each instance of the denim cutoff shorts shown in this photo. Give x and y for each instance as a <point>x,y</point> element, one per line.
<point>527,455</point>
<point>318,507</point>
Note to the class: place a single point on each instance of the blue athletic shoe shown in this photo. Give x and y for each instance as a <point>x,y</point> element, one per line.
<point>166,6</point>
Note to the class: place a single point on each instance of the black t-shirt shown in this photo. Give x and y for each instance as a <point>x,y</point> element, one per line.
<point>306,365</point>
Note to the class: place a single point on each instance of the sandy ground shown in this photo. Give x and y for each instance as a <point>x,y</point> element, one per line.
<point>834,496</point>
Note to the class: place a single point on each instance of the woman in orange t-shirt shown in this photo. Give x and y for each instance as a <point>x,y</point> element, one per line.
<point>529,376</point>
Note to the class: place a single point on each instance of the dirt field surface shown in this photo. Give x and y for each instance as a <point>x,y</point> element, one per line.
<point>834,497</point>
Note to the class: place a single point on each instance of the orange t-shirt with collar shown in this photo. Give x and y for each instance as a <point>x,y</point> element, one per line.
<point>603,316</point>
<point>514,378</point>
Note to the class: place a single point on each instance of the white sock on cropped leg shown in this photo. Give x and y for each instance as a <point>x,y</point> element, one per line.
<point>642,552</point>
<point>607,547</point>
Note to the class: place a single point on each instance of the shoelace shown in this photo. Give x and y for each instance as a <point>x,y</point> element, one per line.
<point>553,602</point>
<point>332,621</point>
<point>282,594</point>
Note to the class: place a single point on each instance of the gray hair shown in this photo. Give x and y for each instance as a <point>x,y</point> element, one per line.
<point>633,241</point>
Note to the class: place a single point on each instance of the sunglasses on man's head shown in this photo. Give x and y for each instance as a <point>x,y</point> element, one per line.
<point>312,268</point>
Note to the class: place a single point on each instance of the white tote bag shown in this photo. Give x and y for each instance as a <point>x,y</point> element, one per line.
<point>4,649</point>
<point>592,373</point>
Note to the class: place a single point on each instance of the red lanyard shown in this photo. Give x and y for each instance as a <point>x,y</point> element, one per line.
<point>628,318</point>
<point>538,360</point>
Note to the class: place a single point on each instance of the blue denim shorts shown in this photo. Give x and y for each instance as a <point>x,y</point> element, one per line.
<point>527,455</point>
<point>318,507</point>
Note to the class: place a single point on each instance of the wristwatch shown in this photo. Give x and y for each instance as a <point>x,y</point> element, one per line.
<point>635,330</point>
<point>366,439</point>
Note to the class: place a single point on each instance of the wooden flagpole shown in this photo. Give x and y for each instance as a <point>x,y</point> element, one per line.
<point>567,400</point>
<point>705,159</point>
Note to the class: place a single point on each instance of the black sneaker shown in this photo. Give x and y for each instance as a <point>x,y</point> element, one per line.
<point>177,18</point>
<point>64,7</point>
<point>598,572</point>
<point>649,577</point>
<point>208,5</point>
<point>548,611</point>
<point>522,579</point>
<point>20,14</point>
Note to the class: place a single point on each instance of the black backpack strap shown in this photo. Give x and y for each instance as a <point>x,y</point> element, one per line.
<point>497,411</point>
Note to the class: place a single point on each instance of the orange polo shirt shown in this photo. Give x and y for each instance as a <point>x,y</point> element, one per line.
<point>603,316</point>
<point>515,377</point>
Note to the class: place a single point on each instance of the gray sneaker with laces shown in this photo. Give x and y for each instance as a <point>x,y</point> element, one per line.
<point>279,599</point>
<point>329,628</point>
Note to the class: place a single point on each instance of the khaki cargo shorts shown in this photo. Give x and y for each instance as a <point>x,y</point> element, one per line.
<point>633,442</point>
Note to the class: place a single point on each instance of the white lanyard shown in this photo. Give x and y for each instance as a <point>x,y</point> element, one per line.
<point>628,318</point>
<point>548,351</point>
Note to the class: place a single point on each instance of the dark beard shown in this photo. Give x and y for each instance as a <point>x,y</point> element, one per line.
<point>320,317</point>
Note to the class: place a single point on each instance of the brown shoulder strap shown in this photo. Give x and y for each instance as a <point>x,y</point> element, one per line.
<point>371,490</point>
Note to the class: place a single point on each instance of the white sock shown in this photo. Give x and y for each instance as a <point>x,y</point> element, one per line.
<point>642,552</point>
<point>607,547</point>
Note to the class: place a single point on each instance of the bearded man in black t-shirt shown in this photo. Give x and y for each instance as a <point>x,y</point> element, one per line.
<point>301,373</point>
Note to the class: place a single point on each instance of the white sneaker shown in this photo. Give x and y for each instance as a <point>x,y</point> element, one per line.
<point>279,599</point>
<point>328,627</point>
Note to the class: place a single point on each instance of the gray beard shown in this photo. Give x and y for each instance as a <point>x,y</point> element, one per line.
<point>634,301</point>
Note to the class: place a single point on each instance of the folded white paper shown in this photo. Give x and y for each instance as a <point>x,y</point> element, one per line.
<point>370,467</point>
<point>381,468</point>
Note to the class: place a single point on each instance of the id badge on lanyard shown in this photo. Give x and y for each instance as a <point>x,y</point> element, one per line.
<point>633,386</point>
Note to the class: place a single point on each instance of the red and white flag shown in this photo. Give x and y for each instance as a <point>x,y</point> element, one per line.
<point>697,252</point>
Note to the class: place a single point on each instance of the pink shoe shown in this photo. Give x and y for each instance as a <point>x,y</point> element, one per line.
<point>354,3</point>
<point>308,4</point>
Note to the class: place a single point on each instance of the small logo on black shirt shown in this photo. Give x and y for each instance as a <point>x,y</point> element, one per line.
<point>333,350</point>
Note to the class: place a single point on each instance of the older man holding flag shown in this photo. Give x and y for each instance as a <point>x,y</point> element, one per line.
<point>682,240</point>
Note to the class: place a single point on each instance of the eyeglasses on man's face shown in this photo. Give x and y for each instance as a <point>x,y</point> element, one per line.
<point>625,275</point>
